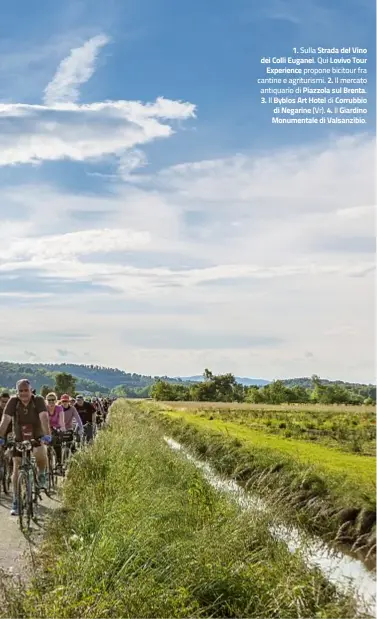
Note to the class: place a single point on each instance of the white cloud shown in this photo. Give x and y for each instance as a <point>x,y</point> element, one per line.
<point>131,161</point>
<point>36,133</point>
<point>73,71</point>
<point>63,129</point>
<point>272,246</point>
<point>67,247</point>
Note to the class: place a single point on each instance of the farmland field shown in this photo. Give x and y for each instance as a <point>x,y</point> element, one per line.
<point>319,462</point>
<point>350,428</point>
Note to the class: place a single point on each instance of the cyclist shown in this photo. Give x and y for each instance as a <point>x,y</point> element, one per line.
<point>99,411</point>
<point>56,421</point>
<point>30,421</point>
<point>87,414</point>
<point>4,397</point>
<point>71,415</point>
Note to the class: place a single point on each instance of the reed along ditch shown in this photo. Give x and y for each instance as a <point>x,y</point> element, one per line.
<point>144,533</point>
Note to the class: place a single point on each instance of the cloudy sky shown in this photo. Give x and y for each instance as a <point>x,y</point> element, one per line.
<point>153,219</point>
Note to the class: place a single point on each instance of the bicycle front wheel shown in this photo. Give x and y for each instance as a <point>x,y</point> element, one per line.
<point>25,501</point>
<point>66,452</point>
<point>51,469</point>
<point>7,476</point>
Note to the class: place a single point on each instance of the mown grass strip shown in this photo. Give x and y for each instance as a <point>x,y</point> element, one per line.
<point>144,535</point>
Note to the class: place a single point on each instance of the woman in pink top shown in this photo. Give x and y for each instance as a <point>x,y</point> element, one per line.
<point>56,421</point>
<point>55,412</point>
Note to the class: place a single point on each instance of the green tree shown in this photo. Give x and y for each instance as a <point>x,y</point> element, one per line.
<point>254,395</point>
<point>299,394</point>
<point>45,389</point>
<point>220,388</point>
<point>65,383</point>
<point>276,393</point>
<point>162,391</point>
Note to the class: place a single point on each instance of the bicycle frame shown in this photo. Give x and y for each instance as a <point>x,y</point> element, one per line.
<point>27,478</point>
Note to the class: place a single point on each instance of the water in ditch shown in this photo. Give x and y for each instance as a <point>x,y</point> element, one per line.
<point>338,568</point>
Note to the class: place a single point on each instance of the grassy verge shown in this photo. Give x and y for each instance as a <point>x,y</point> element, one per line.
<point>144,535</point>
<point>328,491</point>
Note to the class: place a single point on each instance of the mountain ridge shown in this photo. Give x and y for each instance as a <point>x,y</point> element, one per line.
<point>94,378</point>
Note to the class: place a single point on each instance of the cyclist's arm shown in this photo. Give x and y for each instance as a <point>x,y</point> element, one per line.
<point>8,414</point>
<point>62,420</point>
<point>94,414</point>
<point>4,424</point>
<point>43,415</point>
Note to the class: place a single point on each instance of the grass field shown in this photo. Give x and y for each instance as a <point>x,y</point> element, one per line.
<point>144,535</point>
<point>321,483</point>
<point>350,428</point>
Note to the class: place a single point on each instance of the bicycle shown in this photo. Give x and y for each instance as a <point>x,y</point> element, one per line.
<point>5,469</point>
<point>67,442</point>
<point>28,489</point>
<point>52,474</point>
<point>85,440</point>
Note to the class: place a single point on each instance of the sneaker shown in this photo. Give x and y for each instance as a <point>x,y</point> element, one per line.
<point>14,510</point>
<point>42,482</point>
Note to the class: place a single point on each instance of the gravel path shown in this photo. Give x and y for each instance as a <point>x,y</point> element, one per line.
<point>16,551</point>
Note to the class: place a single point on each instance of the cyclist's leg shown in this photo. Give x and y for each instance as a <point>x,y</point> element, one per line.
<point>57,445</point>
<point>91,433</point>
<point>88,431</point>
<point>16,467</point>
<point>40,454</point>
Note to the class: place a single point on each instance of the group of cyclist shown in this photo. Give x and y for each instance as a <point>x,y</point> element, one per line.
<point>27,416</point>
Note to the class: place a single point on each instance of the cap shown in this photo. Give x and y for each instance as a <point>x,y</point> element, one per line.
<point>65,398</point>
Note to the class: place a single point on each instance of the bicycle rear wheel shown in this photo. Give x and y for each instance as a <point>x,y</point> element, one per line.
<point>25,501</point>
<point>52,476</point>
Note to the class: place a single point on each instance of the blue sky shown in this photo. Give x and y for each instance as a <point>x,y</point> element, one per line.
<point>152,216</point>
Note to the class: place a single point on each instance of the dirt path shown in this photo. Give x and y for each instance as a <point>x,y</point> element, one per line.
<point>16,551</point>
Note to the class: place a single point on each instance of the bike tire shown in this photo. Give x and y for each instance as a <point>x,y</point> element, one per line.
<point>25,501</point>
<point>7,477</point>
<point>2,471</point>
<point>66,453</point>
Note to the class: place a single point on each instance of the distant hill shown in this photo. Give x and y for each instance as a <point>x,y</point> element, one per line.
<point>307,383</point>
<point>96,378</point>
<point>92,378</point>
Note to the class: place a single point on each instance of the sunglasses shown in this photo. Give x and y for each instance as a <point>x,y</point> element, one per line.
<point>24,390</point>
<point>51,400</point>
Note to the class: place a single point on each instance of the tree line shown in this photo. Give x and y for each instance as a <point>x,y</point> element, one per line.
<point>225,388</point>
